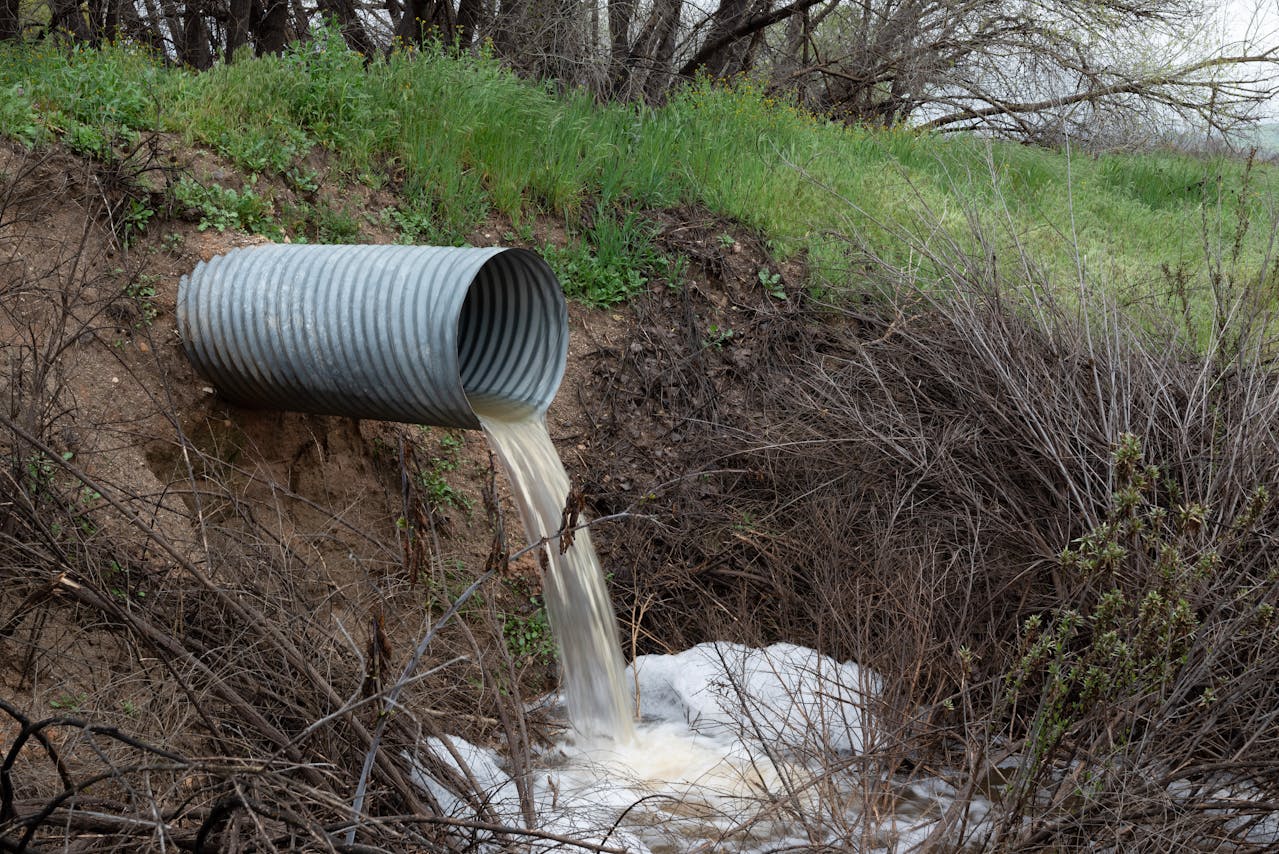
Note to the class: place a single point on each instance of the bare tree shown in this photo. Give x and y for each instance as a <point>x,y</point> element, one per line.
<point>1023,67</point>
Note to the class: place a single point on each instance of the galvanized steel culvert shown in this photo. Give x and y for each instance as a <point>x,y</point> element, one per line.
<point>423,334</point>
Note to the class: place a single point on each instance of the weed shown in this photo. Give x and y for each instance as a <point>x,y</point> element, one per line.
<point>772,283</point>
<point>528,636</point>
<point>18,116</point>
<point>221,207</point>
<point>141,290</point>
<point>137,214</point>
<point>434,481</point>
<point>87,140</point>
<point>717,336</point>
<point>68,702</point>
<point>440,492</point>
<point>302,180</point>
<point>612,261</point>
<point>334,225</point>
<point>40,471</point>
<point>415,224</point>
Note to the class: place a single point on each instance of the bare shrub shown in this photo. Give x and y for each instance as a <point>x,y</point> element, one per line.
<point>1045,521</point>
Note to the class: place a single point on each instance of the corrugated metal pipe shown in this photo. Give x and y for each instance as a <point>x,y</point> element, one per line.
<point>424,334</point>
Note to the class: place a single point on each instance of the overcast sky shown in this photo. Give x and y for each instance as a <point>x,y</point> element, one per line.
<point>1241,18</point>
<point>1253,20</point>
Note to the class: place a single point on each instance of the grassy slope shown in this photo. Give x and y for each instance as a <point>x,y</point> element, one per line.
<point>461,137</point>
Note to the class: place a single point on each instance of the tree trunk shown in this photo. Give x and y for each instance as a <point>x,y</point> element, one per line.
<point>272,25</point>
<point>10,24</point>
<point>357,38</point>
<point>67,16</point>
<point>728,17</point>
<point>420,16</point>
<point>195,47</point>
<point>142,30</point>
<point>647,75</point>
<point>469,15</point>
<point>660,77</point>
<point>237,26</point>
<point>172,22</point>
<point>104,19</point>
<point>620,15</point>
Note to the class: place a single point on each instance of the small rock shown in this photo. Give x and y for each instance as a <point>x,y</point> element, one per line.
<point>115,379</point>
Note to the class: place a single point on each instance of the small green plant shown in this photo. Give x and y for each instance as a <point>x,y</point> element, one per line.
<point>68,702</point>
<point>717,336</point>
<point>334,225</point>
<point>87,140</point>
<point>772,283</point>
<point>221,207</point>
<point>434,481</point>
<point>121,583</point>
<point>676,271</point>
<point>440,492</point>
<point>528,636</point>
<point>415,224</point>
<point>18,117</point>
<point>590,280</point>
<point>302,179</point>
<point>41,473</point>
<point>133,222</point>
<point>141,290</point>
<point>269,150</point>
<point>610,262</point>
<point>1130,642</point>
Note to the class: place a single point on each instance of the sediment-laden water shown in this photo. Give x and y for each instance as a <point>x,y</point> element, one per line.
<point>577,602</point>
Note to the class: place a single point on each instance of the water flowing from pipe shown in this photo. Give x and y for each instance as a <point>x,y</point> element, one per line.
<point>577,602</point>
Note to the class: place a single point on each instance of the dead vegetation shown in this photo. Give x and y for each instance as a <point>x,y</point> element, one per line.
<point>1048,526</point>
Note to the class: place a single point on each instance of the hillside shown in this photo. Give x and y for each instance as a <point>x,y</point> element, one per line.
<point>992,420</point>
<point>448,141</point>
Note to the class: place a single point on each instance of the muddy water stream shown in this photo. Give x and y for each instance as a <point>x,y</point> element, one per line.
<point>577,602</point>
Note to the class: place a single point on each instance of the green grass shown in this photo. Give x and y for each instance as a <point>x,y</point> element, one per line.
<point>459,137</point>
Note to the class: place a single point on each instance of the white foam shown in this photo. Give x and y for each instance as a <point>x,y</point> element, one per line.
<point>784,695</point>
<point>700,768</point>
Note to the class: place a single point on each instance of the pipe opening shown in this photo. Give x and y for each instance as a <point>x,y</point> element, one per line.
<point>512,336</point>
